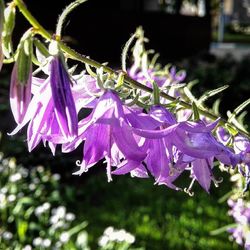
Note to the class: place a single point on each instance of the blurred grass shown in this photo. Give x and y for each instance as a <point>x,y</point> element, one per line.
<point>159,217</point>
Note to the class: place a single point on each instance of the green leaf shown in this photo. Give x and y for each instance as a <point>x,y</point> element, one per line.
<point>239,109</point>
<point>191,84</point>
<point>216,107</point>
<point>211,93</point>
<point>236,123</point>
<point>189,95</point>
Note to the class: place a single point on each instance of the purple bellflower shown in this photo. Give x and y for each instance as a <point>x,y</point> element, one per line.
<point>64,106</point>
<point>106,136</point>
<point>174,147</point>
<point>51,121</point>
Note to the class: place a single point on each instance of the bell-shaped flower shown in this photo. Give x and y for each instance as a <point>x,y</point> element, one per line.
<point>64,106</point>
<point>106,136</point>
<point>44,124</point>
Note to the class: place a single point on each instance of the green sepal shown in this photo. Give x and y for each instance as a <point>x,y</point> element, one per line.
<point>239,109</point>
<point>156,93</point>
<point>196,114</point>
<point>24,60</point>
<point>41,47</point>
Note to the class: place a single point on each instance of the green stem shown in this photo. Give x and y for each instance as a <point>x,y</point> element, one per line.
<point>78,57</point>
<point>64,14</point>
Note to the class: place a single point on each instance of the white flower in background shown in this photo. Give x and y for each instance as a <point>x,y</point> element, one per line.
<point>11,198</point>
<point>53,219</point>
<point>60,212</point>
<point>130,238</point>
<point>108,231</point>
<point>32,187</point>
<point>46,243</point>
<point>27,247</point>
<point>40,169</point>
<point>103,241</point>
<point>7,235</point>
<point>56,177</point>
<point>39,210</point>
<point>64,237</point>
<point>15,177</point>
<point>110,234</point>
<point>12,163</point>
<point>1,168</point>
<point>120,235</point>
<point>4,190</point>
<point>70,217</point>
<point>46,206</point>
<point>37,241</point>
<point>24,172</point>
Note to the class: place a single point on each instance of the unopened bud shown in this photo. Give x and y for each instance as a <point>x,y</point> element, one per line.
<point>8,27</point>
<point>20,86</point>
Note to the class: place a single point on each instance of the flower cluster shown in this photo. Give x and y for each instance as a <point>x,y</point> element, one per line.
<point>141,141</point>
<point>240,211</point>
<point>116,239</point>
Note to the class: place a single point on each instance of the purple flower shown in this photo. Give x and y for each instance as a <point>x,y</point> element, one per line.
<point>106,136</point>
<point>64,106</point>
<point>44,123</point>
<point>179,76</point>
<point>240,211</point>
<point>20,95</point>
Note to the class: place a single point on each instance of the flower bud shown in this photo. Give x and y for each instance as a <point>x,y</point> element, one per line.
<point>20,95</point>
<point>8,27</point>
<point>20,85</point>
